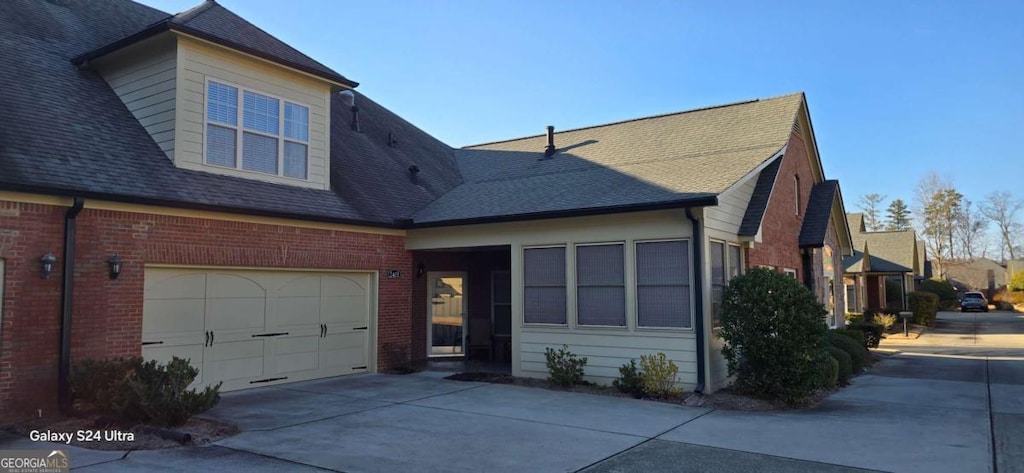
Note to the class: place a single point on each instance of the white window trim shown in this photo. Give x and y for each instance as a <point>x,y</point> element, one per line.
<point>522,283</point>
<point>789,272</point>
<point>576,287</point>
<point>240,130</point>
<point>743,268</point>
<point>689,285</point>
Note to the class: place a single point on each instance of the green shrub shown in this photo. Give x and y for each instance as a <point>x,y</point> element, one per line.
<point>886,321</point>
<point>845,363</point>
<point>948,297</point>
<point>871,332</point>
<point>102,384</point>
<point>858,354</point>
<point>564,368</point>
<point>854,317</point>
<point>924,305</point>
<point>852,333</point>
<point>828,372</point>
<point>659,375</point>
<point>774,335</point>
<point>147,392</point>
<point>1016,282</point>
<point>629,381</point>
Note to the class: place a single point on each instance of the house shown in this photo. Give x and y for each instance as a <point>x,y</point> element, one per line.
<point>980,274</point>
<point>188,185</point>
<point>885,266</point>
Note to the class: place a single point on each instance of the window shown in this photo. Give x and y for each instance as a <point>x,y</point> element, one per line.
<point>789,272</point>
<point>796,186</point>
<point>735,261</point>
<point>264,134</point>
<point>600,285</point>
<point>544,285</point>
<point>717,249</point>
<point>663,284</point>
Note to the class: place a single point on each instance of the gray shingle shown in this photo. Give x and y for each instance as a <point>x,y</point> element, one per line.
<point>818,214</point>
<point>759,199</point>
<point>898,247</point>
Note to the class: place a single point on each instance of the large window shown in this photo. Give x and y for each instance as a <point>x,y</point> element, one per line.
<point>544,285</point>
<point>663,284</point>
<point>600,285</point>
<point>255,132</point>
<point>717,250</point>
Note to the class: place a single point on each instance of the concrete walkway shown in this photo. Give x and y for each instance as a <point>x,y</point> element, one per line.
<point>917,411</point>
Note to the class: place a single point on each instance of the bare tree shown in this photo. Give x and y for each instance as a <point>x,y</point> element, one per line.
<point>937,205</point>
<point>1001,208</point>
<point>871,205</point>
<point>970,227</point>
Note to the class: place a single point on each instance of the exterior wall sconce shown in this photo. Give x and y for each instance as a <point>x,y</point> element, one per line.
<point>115,266</point>
<point>47,262</point>
<point>420,269</point>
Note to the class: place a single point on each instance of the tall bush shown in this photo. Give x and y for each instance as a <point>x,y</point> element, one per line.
<point>948,297</point>
<point>924,305</point>
<point>858,354</point>
<point>774,335</point>
<point>845,364</point>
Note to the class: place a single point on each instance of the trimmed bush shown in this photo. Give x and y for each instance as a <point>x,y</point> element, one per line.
<point>774,335</point>
<point>948,297</point>
<point>564,368</point>
<point>629,381</point>
<point>858,354</point>
<point>872,332</point>
<point>828,373</point>
<point>102,384</point>
<point>659,375</point>
<point>845,364</point>
<point>886,321</point>
<point>854,334</point>
<point>924,305</point>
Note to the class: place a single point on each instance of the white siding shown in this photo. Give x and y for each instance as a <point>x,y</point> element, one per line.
<point>144,77</point>
<point>606,348</point>
<point>732,205</point>
<point>199,61</point>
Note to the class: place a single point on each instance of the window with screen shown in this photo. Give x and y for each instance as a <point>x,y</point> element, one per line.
<point>544,286</point>
<point>663,284</point>
<point>718,279</point>
<point>601,285</point>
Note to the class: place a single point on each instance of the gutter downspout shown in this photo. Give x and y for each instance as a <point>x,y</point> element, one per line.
<point>698,297</point>
<point>68,279</point>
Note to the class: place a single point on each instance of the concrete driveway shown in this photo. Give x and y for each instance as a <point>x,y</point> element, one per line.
<point>917,411</point>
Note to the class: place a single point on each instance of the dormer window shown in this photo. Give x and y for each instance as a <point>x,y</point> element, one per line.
<point>273,137</point>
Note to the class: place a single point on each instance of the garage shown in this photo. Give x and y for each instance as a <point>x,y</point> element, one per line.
<point>249,328</point>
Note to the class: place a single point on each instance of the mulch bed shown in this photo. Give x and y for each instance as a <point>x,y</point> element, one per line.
<point>202,431</point>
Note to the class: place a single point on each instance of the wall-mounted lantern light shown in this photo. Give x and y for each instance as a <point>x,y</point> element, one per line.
<point>115,266</point>
<point>420,269</point>
<point>47,262</point>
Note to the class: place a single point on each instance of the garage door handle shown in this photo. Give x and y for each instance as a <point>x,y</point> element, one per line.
<point>323,330</point>
<point>207,343</point>
<point>361,328</point>
<point>275,334</point>
<point>153,343</point>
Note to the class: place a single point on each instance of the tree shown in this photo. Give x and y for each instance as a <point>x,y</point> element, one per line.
<point>938,206</point>
<point>870,204</point>
<point>897,216</point>
<point>1001,208</point>
<point>970,230</point>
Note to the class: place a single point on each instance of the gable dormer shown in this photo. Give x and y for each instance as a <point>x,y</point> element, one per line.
<point>219,95</point>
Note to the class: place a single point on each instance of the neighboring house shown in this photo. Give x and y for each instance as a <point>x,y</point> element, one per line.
<point>187,185</point>
<point>981,274</point>
<point>884,268</point>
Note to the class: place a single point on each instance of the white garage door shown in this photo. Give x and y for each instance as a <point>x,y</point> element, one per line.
<point>255,328</point>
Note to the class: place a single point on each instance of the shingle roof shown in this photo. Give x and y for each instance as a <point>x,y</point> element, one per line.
<point>818,214</point>
<point>64,131</point>
<point>759,199</point>
<point>855,264</point>
<point>213,22</point>
<point>668,159</point>
<point>899,247</point>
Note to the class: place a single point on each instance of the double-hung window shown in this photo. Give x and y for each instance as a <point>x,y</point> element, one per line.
<point>255,132</point>
<point>544,285</point>
<point>601,285</point>
<point>663,284</point>
<point>726,263</point>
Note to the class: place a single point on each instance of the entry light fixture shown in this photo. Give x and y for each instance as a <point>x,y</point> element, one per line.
<point>115,263</point>
<point>420,268</point>
<point>47,262</point>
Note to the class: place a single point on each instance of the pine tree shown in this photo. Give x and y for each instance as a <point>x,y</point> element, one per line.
<point>897,216</point>
<point>869,203</point>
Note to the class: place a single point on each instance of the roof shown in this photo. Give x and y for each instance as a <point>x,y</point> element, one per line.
<point>975,274</point>
<point>212,22</point>
<point>855,264</point>
<point>674,160</point>
<point>107,154</point>
<point>818,214</point>
<point>898,247</point>
<point>758,203</point>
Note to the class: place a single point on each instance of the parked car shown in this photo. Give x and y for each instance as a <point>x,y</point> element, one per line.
<point>973,301</point>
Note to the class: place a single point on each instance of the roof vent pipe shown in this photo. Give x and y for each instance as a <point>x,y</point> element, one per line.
<point>549,150</point>
<point>349,98</point>
<point>355,119</point>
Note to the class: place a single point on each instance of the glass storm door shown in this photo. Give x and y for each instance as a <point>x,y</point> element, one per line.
<point>446,314</point>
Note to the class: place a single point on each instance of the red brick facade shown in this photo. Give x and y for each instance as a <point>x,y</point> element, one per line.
<point>108,313</point>
<point>780,227</point>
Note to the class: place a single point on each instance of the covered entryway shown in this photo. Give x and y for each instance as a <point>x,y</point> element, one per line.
<point>249,328</point>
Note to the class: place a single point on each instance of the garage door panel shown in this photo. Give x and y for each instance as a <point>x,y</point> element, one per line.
<point>173,316</point>
<point>298,286</point>
<point>236,314</point>
<point>292,354</point>
<point>294,312</point>
<point>176,285</point>
<point>220,285</point>
<point>343,351</point>
<point>234,361</point>
<point>345,310</point>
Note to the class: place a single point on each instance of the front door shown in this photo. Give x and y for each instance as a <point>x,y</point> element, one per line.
<point>446,314</point>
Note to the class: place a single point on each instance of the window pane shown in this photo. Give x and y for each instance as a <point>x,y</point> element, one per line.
<point>220,146</point>
<point>260,113</point>
<point>294,160</point>
<point>259,153</point>
<point>717,263</point>
<point>544,305</point>
<point>600,282</point>
<point>663,278</point>
<point>735,261</point>
<point>544,285</point>
<point>222,103</point>
<point>296,122</point>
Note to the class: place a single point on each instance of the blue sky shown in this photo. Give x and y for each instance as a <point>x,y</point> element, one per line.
<point>895,88</point>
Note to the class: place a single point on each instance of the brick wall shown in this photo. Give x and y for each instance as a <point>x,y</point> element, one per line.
<point>108,313</point>
<point>780,227</point>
